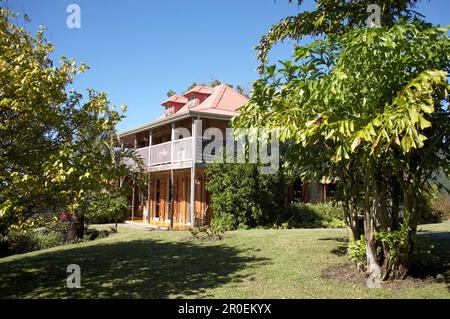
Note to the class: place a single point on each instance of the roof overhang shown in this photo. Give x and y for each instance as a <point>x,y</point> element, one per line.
<point>174,118</point>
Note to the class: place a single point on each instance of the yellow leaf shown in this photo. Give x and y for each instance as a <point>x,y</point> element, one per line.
<point>356,143</point>
<point>423,122</point>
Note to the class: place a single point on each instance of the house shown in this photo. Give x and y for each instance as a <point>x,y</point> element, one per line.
<point>171,148</point>
<point>167,146</point>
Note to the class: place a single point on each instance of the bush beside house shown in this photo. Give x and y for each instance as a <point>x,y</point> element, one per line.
<point>242,197</point>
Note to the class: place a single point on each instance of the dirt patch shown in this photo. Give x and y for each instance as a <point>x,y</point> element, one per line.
<point>345,273</point>
<point>348,273</point>
<point>407,283</point>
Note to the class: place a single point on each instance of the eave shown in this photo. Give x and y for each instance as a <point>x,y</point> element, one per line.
<point>174,118</point>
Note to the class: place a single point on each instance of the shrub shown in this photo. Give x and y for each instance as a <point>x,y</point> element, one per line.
<point>222,222</point>
<point>105,208</point>
<point>17,242</point>
<point>428,214</point>
<point>301,215</point>
<point>357,253</point>
<point>20,242</point>
<point>441,206</point>
<point>242,197</point>
<point>46,238</point>
<point>397,241</point>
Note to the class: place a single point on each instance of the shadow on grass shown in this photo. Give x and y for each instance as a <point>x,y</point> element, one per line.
<point>337,239</point>
<point>340,250</point>
<point>133,269</point>
<point>432,257</point>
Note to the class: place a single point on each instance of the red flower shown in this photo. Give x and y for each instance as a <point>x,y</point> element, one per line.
<point>64,217</point>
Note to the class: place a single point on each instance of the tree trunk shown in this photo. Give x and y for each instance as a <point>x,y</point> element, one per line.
<point>395,265</point>
<point>373,267</point>
<point>351,209</point>
<point>399,268</point>
<point>389,257</point>
<point>380,207</point>
<point>374,219</point>
<point>352,234</point>
<point>76,227</point>
<point>352,220</point>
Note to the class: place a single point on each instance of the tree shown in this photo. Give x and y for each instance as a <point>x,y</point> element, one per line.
<point>396,133</point>
<point>213,83</point>
<point>32,101</point>
<point>367,106</point>
<point>243,90</point>
<point>171,93</point>
<point>331,17</point>
<point>51,154</point>
<point>193,85</point>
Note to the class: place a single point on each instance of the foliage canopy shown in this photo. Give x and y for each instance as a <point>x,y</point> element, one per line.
<point>368,107</point>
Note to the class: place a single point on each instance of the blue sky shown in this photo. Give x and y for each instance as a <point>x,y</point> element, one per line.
<point>139,49</point>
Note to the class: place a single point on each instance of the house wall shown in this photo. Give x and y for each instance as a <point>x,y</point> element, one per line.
<point>160,205</point>
<point>220,124</point>
<point>307,193</point>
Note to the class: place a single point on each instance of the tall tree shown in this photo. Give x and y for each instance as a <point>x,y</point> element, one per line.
<point>367,106</point>
<point>50,157</point>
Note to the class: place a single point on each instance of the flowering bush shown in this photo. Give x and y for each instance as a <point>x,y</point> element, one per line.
<point>64,217</point>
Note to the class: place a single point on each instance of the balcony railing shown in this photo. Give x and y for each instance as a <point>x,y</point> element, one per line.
<point>175,152</point>
<point>182,150</point>
<point>143,153</point>
<point>167,153</point>
<point>160,154</point>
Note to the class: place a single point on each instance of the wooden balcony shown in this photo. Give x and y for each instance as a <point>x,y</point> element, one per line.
<point>170,155</point>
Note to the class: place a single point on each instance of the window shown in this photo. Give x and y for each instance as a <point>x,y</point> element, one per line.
<point>168,111</point>
<point>331,190</point>
<point>192,101</point>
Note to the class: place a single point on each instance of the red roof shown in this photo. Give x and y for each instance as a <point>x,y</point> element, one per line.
<point>175,99</point>
<point>222,100</point>
<point>200,89</point>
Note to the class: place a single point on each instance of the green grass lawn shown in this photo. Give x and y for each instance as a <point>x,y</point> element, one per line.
<point>246,264</point>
